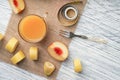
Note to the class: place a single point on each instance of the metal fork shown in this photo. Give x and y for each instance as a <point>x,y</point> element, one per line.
<point>69,34</point>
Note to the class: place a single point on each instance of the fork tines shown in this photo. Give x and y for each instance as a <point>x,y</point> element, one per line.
<point>64,33</point>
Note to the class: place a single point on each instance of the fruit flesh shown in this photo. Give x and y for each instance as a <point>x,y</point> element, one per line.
<point>33,53</point>
<point>58,51</point>
<point>19,56</point>
<point>77,65</point>
<point>12,45</point>
<point>32,28</point>
<point>48,68</point>
<point>17,5</point>
<point>1,36</point>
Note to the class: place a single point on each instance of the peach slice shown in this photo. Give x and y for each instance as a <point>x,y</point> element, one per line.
<point>48,68</point>
<point>58,51</point>
<point>77,65</point>
<point>12,45</point>
<point>1,36</point>
<point>33,53</point>
<point>17,5</point>
<point>19,56</point>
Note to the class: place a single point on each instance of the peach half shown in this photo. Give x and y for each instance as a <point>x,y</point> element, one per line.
<point>17,5</point>
<point>58,51</point>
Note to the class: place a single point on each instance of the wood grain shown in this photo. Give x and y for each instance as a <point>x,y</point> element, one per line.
<point>38,8</point>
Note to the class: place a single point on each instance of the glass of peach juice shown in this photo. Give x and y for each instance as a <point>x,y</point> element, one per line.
<point>32,28</point>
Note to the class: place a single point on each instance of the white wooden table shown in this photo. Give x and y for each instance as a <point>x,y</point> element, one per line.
<point>100,61</point>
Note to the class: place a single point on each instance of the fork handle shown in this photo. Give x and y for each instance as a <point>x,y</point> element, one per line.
<point>81,36</point>
<point>95,39</point>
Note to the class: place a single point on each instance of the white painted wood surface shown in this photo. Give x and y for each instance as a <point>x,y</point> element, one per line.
<point>100,61</point>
